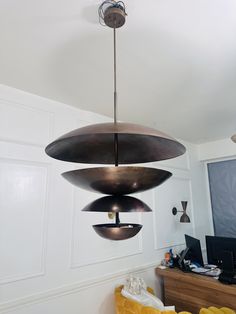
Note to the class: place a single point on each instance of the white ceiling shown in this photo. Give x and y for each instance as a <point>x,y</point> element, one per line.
<point>176,61</point>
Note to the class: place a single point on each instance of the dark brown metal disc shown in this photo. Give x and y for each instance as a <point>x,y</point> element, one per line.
<point>117,204</point>
<point>122,231</point>
<point>117,180</point>
<point>95,144</point>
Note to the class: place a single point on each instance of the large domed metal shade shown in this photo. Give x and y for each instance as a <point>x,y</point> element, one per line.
<point>121,231</point>
<point>117,180</point>
<point>117,204</point>
<point>95,144</point>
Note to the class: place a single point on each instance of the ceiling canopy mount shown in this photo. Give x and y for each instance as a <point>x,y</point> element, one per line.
<point>112,13</point>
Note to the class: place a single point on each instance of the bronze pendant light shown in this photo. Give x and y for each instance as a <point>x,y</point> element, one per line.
<point>115,143</point>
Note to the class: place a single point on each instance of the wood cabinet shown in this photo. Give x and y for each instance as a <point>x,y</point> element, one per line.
<point>191,292</point>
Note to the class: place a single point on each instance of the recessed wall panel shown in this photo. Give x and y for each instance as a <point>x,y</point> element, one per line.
<point>22,225</point>
<point>20,123</point>
<point>168,231</point>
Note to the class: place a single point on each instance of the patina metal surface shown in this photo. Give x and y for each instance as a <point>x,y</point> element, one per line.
<point>117,204</point>
<point>117,180</point>
<point>121,231</point>
<point>114,17</point>
<point>95,144</point>
<point>185,218</point>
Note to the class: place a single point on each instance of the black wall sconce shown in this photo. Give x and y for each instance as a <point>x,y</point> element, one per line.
<point>184,218</point>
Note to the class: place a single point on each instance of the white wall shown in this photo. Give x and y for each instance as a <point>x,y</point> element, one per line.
<point>217,150</point>
<point>51,259</point>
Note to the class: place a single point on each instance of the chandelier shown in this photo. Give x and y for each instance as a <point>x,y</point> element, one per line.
<point>114,144</point>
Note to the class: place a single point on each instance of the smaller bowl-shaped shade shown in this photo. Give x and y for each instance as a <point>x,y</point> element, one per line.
<point>116,232</point>
<point>117,204</point>
<point>117,180</point>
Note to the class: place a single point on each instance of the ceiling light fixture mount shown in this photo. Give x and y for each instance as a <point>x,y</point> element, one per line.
<point>112,13</point>
<point>115,143</point>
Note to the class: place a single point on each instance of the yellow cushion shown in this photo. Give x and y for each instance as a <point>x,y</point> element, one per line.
<point>149,310</point>
<point>126,306</point>
<point>226,310</point>
<point>205,311</point>
<point>215,310</point>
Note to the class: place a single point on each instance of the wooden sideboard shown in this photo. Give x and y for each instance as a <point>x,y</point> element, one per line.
<point>191,292</point>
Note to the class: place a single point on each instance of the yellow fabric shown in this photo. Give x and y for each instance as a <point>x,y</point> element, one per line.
<point>149,310</point>
<point>126,306</point>
<point>150,290</point>
<point>215,310</point>
<point>205,311</point>
<point>226,310</point>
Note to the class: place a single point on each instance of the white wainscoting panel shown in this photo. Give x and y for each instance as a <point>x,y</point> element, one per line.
<point>23,200</point>
<point>25,124</point>
<point>168,231</point>
<point>93,296</point>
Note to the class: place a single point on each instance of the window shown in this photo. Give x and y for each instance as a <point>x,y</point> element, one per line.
<point>222,180</point>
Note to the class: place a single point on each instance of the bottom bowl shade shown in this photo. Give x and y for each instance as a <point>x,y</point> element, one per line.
<point>121,231</point>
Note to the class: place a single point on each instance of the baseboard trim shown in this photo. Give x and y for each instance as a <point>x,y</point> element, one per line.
<point>71,289</point>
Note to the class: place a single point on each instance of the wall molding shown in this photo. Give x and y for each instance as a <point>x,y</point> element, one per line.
<point>72,288</point>
<point>42,268</point>
<point>27,107</point>
<point>171,245</point>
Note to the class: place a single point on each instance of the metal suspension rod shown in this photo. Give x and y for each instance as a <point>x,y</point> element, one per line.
<point>115,91</point>
<point>115,100</point>
<point>117,219</point>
